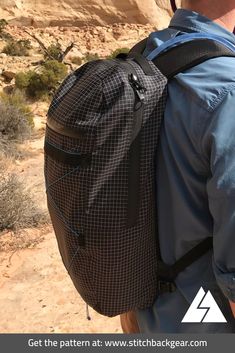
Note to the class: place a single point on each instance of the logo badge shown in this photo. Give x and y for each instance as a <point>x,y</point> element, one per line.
<point>204,309</point>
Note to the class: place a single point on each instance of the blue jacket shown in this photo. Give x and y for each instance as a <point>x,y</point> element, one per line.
<point>196,180</point>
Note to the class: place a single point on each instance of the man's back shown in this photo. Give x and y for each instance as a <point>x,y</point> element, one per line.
<point>196,182</point>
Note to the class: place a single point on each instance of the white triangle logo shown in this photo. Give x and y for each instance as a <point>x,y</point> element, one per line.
<point>204,309</point>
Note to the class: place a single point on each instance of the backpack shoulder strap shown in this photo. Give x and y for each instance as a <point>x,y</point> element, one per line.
<point>170,272</point>
<point>184,56</point>
<point>171,62</point>
<point>139,47</point>
<point>189,54</point>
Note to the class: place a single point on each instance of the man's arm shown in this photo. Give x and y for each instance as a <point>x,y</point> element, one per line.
<point>218,143</point>
<point>232,307</point>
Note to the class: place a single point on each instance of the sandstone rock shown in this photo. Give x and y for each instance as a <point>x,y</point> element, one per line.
<point>8,76</point>
<point>9,89</point>
<point>76,13</point>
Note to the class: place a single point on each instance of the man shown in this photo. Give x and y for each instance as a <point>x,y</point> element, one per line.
<point>196,180</point>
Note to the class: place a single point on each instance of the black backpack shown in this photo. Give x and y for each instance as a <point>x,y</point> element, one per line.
<point>101,139</point>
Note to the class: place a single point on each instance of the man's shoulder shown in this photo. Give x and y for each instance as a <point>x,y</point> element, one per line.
<point>210,82</point>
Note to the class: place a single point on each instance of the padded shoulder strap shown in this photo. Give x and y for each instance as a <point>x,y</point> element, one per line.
<point>185,55</point>
<point>189,54</point>
<point>139,47</point>
<point>171,62</point>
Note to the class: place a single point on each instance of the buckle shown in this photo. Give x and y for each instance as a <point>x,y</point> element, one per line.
<point>166,287</point>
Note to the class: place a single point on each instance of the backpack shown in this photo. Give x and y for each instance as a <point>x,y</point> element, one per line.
<point>101,139</point>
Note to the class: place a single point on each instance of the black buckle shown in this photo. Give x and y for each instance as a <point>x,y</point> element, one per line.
<point>166,287</point>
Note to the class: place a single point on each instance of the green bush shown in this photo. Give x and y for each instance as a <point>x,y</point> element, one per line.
<point>17,48</point>
<point>39,84</point>
<point>17,208</point>
<point>3,24</point>
<point>31,82</point>
<point>4,35</point>
<point>90,57</point>
<point>55,51</point>
<point>16,118</point>
<point>57,70</point>
<point>118,51</point>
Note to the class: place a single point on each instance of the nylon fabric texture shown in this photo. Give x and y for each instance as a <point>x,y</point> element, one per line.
<point>112,264</point>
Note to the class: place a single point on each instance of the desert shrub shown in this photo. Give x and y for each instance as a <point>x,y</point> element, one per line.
<point>17,208</point>
<point>3,34</point>
<point>16,118</point>
<point>90,57</point>
<point>118,51</point>
<point>3,24</point>
<point>17,99</point>
<point>76,60</point>
<point>39,84</point>
<point>10,150</point>
<point>27,43</point>
<point>55,51</point>
<point>31,83</point>
<point>17,48</point>
<point>6,149</point>
<point>57,70</point>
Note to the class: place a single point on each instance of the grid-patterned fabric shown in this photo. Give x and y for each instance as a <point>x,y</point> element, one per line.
<point>112,265</point>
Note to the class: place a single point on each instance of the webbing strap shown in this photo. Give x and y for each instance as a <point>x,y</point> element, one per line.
<point>168,272</point>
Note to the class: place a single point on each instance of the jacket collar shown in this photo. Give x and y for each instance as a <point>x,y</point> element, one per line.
<point>190,21</point>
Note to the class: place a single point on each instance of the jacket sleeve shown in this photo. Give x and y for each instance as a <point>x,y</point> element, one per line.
<point>219,146</point>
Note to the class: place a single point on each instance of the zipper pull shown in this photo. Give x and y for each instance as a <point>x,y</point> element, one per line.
<point>138,88</point>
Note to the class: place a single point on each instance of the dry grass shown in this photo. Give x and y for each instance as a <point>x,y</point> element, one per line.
<point>18,209</point>
<point>14,124</point>
<point>11,150</point>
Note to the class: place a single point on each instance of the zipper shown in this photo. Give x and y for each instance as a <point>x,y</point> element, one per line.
<point>139,91</point>
<point>134,182</point>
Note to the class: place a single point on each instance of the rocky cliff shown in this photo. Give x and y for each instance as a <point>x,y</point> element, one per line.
<point>45,13</point>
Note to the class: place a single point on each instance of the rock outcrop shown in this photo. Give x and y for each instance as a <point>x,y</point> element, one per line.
<point>45,13</point>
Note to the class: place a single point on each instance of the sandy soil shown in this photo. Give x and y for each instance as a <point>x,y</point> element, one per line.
<point>37,296</point>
